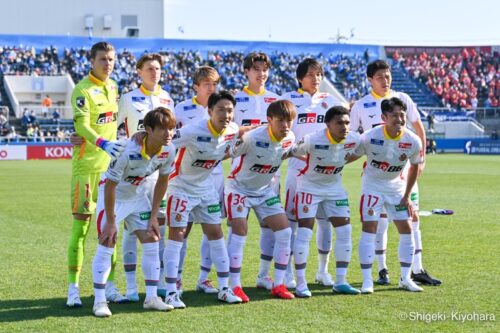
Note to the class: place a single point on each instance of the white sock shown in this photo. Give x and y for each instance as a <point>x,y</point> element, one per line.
<point>324,242</point>
<point>293,227</point>
<point>182,256</point>
<point>267,241</point>
<point>417,266</point>
<point>343,251</point>
<point>205,259</point>
<point>235,252</point>
<point>218,252</point>
<point>151,267</point>
<point>381,243</point>
<point>366,254</point>
<point>281,254</point>
<point>229,233</point>
<point>129,249</point>
<point>161,248</point>
<point>406,251</point>
<point>101,266</point>
<point>171,256</point>
<point>301,252</point>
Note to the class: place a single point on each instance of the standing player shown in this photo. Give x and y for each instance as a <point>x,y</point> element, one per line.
<point>249,185</point>
<point>388,149</point>
<point>124,195</point>
<point>94,114</point>
<point>133,106</point>
<point>319,184</point>
<point>366,114</point>
<point>202,146</point>
<point>251,110</point>
<point>187,112</point>
<point>311,107</point>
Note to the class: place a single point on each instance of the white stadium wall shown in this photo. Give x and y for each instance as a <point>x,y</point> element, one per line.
<point>109,18</point>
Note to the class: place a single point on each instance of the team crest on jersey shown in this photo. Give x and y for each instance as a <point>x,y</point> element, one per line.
<point>377,142</point>
<point>324,105</point>
<point>203,139</point>
<point>403,157</point>
<point>347,156</point>
<point>371,212</point>
<point>349,145</point>
<point>269,100</point>
<point>305,209</point>
<point>250,122</point>
<point>106,118</point>
<point>189,107</point>
<point>178,217</point>
<point>321,147</point>
<point>370,105</point>
<point>286,144</point>
<point>229,137</point>
<point>138,98</point>
<point>164,101</point>
<point>86,204</point>
<point>262,144</point>
<point>238,143</point>
<point>404,145</point>
<point>135,157</point>
<point>242,99</point>
<point>239,209</point>
<point>80,101</point>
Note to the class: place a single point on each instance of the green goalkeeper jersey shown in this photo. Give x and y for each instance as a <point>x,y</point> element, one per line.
<point>95,110</point>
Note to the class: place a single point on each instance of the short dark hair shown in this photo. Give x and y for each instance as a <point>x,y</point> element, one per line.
<point>149,57</point>
<point>216,97</point>
<point>376,65</point>
<point>282,109</point>
<point>388,105</point>
<point>253,57</point>
<point>160,117</point>
<point>101,46</point>
<point>304,66</point>
<point>334,111</point>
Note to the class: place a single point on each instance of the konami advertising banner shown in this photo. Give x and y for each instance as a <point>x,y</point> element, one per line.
<point>50,152</point>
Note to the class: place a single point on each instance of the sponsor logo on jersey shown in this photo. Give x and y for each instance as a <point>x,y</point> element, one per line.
<point>134,180</point>
<point>307,118</point>
<point>384,166</point>
<point>377,142</point>
<point>269,100</point>
<point>371,116</point>
<point>264,168</point>
<point>138,99</point>
<point>323,95</point>
<point>349,145</point>
<point>164,154</point>
<point>375,125</point>
<point>327,170</point>
<point>321,147</point>
<point>262,144</point>
<point>242,99</point>
<point>414,196</point>
<point>164,101</point>
<point>400,208</point>
<point>205,164</point>
<point>229,137</point>
<point>286,144</point>
<point>80,101</point>
<point>106,118</point>
<point>189,107</point>
<point>297,96</point>
<point>163,203</point>
<point>324,105</point>
<point>273,201</point>
<point>144,216</point>
<point>213,209</point>
<point>342,203</point>
<point>250,122</point>
<point>369,105</point>
<point>203,139</point>
<point>405,145</point>
<point>135,157</point>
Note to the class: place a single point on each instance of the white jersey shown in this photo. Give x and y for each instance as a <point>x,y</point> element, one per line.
<point>310,118</point>
<point>133,166</point>
<point>201,149</point>
<point>251,108</point>
<point>260,158</point>
<point>386,159</point>
<point>366,113</point>
<point>325,159</point>
<point>135,104</point>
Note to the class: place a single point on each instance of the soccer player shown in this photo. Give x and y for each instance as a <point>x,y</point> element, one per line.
<point>366,114</point>
<point>124,195</point>
<point>202,146</point>
<point>132,108</point>
<point>94,114</point>
<point>260,153</point>
<point>251,110</point>
<point>311,107</point>
<point>193,110</point>
<point>388,149</point>
<point>319,184</point>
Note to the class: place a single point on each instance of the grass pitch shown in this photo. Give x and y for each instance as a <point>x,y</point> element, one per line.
<point>462,250</point>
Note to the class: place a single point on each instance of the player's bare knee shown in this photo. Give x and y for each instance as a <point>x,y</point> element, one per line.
<point>370,227</point>
<point>239,226</point>
<point>404,226</point>
<point>306,223</point>
<point>340,221</point>
<point>176,233</point>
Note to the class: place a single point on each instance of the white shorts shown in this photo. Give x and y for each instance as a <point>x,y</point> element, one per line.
<point>181,207</point>
<point>135,213</point>
<point>307,204</point>
<point>291,186</point>
<point>150,184</point>
<point>414,199</point>
<point>372,204</point>
<point>238,204</point>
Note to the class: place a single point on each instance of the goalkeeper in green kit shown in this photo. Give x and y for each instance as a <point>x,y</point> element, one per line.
<point>94,103</point>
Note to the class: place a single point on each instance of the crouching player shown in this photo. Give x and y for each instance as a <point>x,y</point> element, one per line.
<point>249,185</point>
<point>319,184</point>
<point>202,146</point>
<point>124,196</point>
<point>388,149</point>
